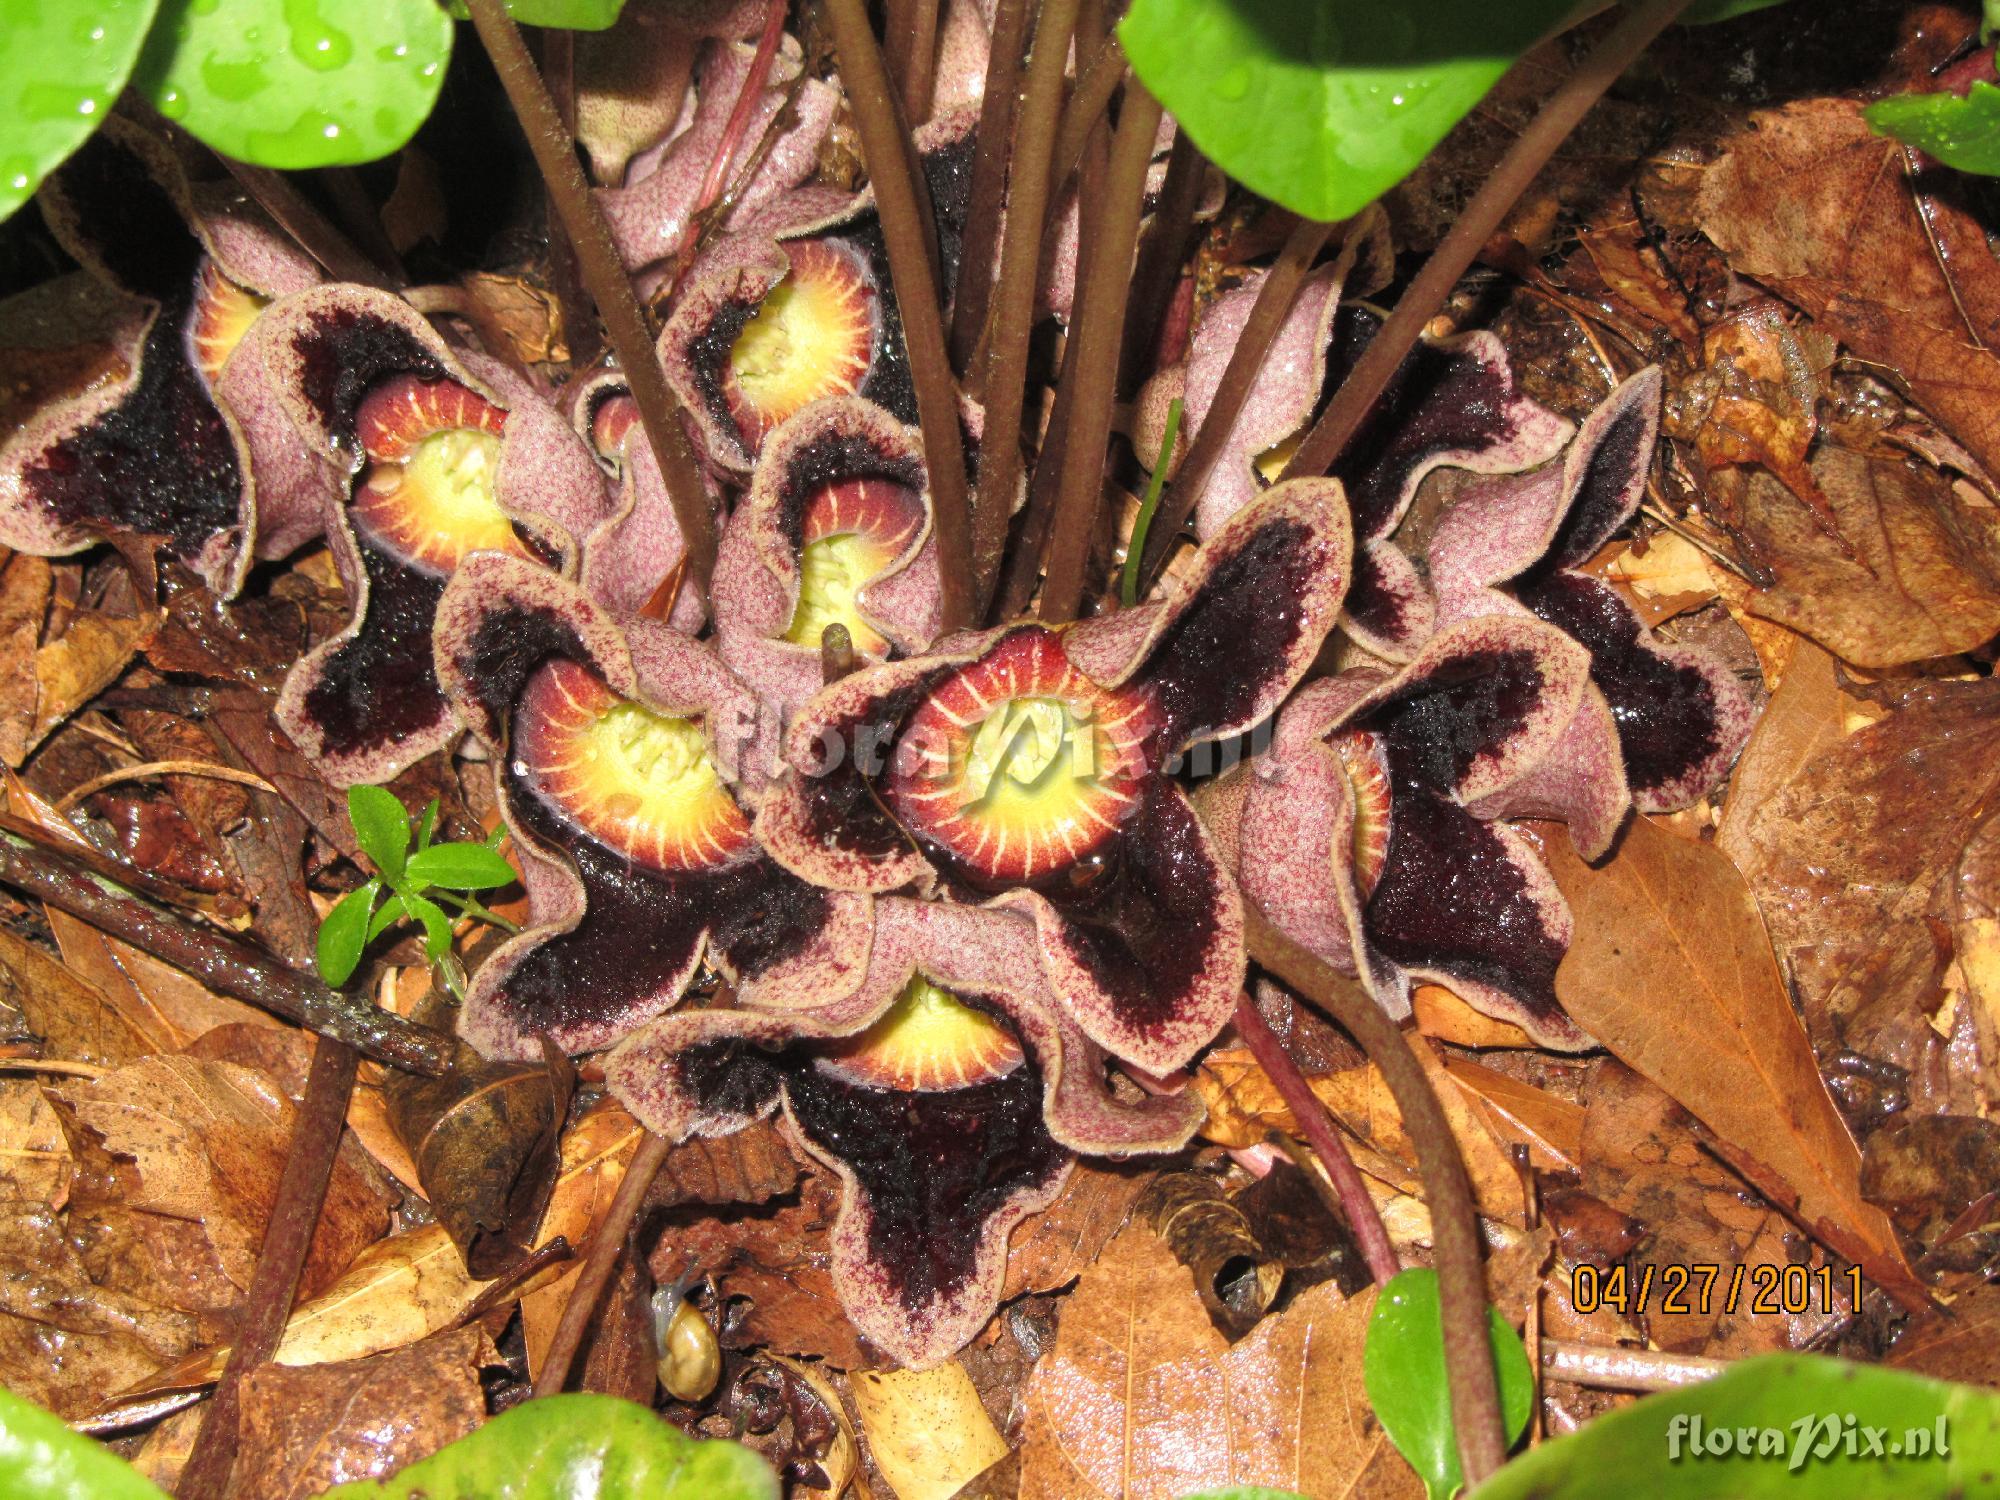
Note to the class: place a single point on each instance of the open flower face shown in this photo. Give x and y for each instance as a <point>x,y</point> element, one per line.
<point>836,529</point>
<point>1517,543</point>
<point>161,453</point>
<point>620,758</point>
<point>949,1092</point>
<point>450,456</point>
<point>763,328</point>
<point>1369,834</point>
<point>1026,768</point>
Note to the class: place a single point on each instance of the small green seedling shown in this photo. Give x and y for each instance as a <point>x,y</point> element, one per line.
<point>408,885</point>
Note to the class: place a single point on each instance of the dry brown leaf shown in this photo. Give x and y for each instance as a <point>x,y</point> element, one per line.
<point>1854,863</point>
<point>1444,1017</point>
<point>1963,1344</point>
<point>204,1143</point>
<point>1521,1114</point>
<point>34,1156</point>
<point>1824,211</point>
<point>75,1020</point>
<point>926,1429</point>
<point>1670,968</point>
<point>1142,1399</point>
<point>304,1430</point>
<point>1051,1248</point>
<point>1922,581</point>
<point>168,1007</point>
<point>595,1153</point>
<point>1806,717</point>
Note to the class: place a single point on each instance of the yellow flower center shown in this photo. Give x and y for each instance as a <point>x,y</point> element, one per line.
<point>928,1041</point>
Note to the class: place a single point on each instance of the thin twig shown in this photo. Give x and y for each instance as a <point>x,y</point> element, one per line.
<point>1005,387</point>
<point>148,769</point>
<point>1267,316</point>
<point>1468,1356</point>
<point>717,175</point>
<point>1455,252</point>
<point>979,244</point>
<point>885,148</point>
<point>1622,1369</point>
<point>605,279</point>
<point>581,334</point>
<point>598,1264</point>
<point>1163,251</point>
<point>1099,339</point>
<point>310,229</point>
<point>219,961</point>
<point>268,1302</point>
<point>61,1067</point>
<point>1356,1203</point>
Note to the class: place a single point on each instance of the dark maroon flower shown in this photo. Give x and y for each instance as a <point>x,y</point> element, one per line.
<point>1026,767</point>
<point>449,454</point>
<point>161,452</point>
<point>949,1091</point>
<point>1516,544</point>
<point>623,784</point>
<point>835,529</point>
<point>1369,833</point>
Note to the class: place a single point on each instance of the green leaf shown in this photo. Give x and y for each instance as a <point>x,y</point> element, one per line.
<point>41,1459</point>
<point>1402,1367</point>
<point>568,15</point>
<point>346,933</point>
<point>1324,106</point>
<point>1638,1446</point>
<point>460,867</point>
<point>298,83</point>
<point>437,926</point>
<point>1962,133</point>
<point>60,73</point>
<point>576,1447</point>
<point>427,824</point>
<point>392,912</point>
<point>381,828</point>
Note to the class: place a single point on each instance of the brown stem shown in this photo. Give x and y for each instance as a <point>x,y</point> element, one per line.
<point>1024,567</point>
<point>1162,253</point>
<point>604,277</point>
<point>310,229</point>
<point>911,27</point>
<point>585,340</point>
<point>1433,283</point>
<point>268,1302</point>
<point>979,244</point>
<point>717,175</point>
<point>1005,387</point>
<point>361,220</point>
<point>221,962</point>
<point>1099,338</point>
<point>1087,103</point>
<point>884,147</point>
<point>1468,1356</point>
<point>1267,316</point>
<point>1356,1202</point>
<point>598,1264</point>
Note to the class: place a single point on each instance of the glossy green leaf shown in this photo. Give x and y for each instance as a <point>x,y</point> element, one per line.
<point>577,1448</point>
<point>1652,1447</point>
<point>345,934</point>
<point>437,926</point>
<point>460,867</point>
<point>61,69</point>
<point>1402,1367</point>
<point>381,828</point>
<point>298,83</point>
<point>1962,133</point>
<point>41,1459</point>
<point>1323,106</point>
<point>427,824</point>
<point>568,15</point>
<point>392,912</point>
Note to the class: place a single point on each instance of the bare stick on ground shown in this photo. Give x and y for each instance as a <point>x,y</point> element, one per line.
<point>221,962</point>
<point>884,142</point>
<point>604,278</point>
<point>268,1302</point>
